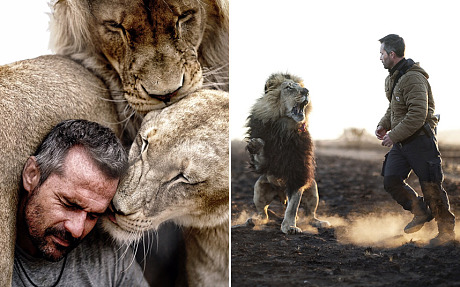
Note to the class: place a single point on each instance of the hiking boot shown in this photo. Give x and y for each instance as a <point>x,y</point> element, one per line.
<point>417,222</point>
<point>442,239</point>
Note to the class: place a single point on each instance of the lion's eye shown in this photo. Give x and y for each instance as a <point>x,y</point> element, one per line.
<point>145,144</point>
<point>114,26</point>
<point>182,20</point>
<point>180,178</point>
<point>184,17</point>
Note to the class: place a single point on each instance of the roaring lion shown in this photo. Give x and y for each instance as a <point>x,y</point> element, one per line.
<point>179,173</point>
<point>281,150</point>
<point>149,53</point>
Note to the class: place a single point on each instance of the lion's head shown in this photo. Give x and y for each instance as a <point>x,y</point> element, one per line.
<point>284,97</point>
<point>153,52</point>
<point>178,168</point>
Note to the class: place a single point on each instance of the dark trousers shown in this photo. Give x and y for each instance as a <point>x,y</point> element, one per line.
<point>420,155</point>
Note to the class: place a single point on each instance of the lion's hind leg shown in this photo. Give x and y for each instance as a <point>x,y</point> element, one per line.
<point>264,193</point>
<point>310,203</point>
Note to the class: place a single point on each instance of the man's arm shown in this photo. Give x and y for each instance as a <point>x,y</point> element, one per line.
<point>385,122</point>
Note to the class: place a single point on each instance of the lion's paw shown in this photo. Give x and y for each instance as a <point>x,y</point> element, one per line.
<point>319,223</point>
<point>255,145</point>
<point>291,230</point>
<point>257,220</point>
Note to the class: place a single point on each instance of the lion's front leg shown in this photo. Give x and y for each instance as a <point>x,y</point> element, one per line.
<point>310,203</point>
<point>255,147</point>
<point>289,225</point>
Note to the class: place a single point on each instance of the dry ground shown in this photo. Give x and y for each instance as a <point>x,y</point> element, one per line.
<point>365,245</point>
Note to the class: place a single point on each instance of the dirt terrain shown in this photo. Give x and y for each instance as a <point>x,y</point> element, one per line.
<point>365,246</point>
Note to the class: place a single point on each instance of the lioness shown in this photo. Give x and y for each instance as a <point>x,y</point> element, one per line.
<point>33,99</point>
<point>179,172</point>
<point>281,150</point>
<point>141,55</point>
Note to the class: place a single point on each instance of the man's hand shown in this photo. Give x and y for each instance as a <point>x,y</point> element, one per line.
<point>380,132</point>
<point>387,141</point>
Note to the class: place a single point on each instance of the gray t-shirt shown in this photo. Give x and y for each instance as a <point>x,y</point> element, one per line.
<point>95,262</point>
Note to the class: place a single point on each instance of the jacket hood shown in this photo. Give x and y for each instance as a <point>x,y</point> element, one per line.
<point>406,65</point>
<point>416,68</point>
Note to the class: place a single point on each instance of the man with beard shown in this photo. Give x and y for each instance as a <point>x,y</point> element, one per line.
<point>409,128</point>
<point>66,186</point>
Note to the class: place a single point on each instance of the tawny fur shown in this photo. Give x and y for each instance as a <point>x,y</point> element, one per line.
<point>38,93</point>
<point>179,172</point>
<point>35,95</point>
<point>140,50</point>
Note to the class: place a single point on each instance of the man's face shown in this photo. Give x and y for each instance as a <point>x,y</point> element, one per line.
<point>65,208</point>
<point>387,60</point>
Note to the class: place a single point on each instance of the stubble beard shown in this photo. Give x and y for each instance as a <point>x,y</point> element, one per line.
<point>42,240</point>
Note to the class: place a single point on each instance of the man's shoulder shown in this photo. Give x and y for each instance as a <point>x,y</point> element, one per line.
<point>414,76</point>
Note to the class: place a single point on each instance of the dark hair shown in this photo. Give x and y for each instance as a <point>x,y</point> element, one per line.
<point>100,143</point>
<point>393,42</point>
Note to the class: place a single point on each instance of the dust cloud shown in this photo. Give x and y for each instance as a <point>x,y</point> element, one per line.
<point>385,230</point>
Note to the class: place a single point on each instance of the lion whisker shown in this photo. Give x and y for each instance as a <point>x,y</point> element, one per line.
<point>114,100</point>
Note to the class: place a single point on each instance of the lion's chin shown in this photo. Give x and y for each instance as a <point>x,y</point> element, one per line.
<point>119,234</point>
<point>298,117</point>
<point>144,106</point>
<point>297,113</point>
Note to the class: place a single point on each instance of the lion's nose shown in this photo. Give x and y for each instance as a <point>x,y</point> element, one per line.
<point>113,209</point>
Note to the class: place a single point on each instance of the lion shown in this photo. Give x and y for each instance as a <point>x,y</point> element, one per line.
<point>179,172</point>
<point>149,53</point>
<point>34,98</point>
<point>281,151</point>
<point>137,56</point>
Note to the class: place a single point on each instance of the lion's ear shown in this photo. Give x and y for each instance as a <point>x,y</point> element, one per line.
<point>30,174</point>
<point>269,85</point>
<point>266,88</point>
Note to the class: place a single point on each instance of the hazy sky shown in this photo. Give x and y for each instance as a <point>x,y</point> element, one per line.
<point>333,45</point>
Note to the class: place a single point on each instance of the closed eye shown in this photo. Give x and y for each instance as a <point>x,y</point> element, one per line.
<point>180,178</point>
<point>181,22</point>
<point>114,26</point>
<point>145,144</point>
<point>184,17</point>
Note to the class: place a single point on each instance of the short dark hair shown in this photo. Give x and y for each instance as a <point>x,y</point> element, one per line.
<point>101,144</point>
<point>393,43</point>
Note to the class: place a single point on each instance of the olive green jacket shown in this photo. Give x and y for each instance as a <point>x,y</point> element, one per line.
<point>411,104</point>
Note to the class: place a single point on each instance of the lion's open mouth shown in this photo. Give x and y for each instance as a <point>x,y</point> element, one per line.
<point>298,110</point>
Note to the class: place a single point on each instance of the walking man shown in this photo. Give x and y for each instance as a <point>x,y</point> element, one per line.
<point>408,126</point>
